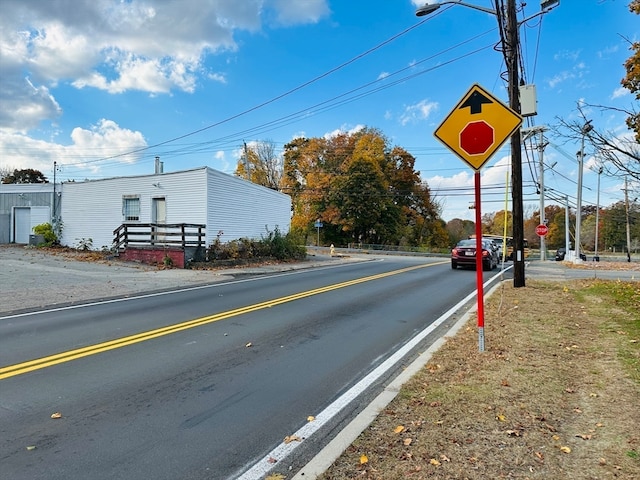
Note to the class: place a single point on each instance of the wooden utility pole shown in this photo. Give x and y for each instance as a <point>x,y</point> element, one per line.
<point>511,43</point>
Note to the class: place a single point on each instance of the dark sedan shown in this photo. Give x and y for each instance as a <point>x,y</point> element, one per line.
<point>464,254</point>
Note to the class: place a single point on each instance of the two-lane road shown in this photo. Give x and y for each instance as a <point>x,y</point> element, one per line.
<point>204,382</point>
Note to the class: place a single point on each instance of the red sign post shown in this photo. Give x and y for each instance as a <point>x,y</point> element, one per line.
<point>474,130</point>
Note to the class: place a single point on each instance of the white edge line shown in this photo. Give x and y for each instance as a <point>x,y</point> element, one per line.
<point>283,450</point>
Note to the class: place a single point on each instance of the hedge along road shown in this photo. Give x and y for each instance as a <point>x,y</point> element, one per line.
<point>215,398</point>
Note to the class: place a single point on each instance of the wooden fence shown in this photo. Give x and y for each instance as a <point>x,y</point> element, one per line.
<point>159,234</point>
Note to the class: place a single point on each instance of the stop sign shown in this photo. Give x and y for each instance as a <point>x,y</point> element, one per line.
<point>542,230</point>
<point>476,138</point>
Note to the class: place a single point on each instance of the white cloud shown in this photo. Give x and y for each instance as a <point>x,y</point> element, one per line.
<point>106,139</point>
<point>291,12</point>
<point>343,130</point>
<point>147,45</point>
<point>418,111</point>
<point>620,92</point>
<point>23,105</point>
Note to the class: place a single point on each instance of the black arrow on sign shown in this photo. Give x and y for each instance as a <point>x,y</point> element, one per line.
<point>475,101</point>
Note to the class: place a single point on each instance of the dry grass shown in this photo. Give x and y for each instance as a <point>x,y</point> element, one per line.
<point>556,394</point>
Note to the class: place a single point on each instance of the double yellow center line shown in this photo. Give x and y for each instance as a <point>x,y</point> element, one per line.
<point>44,362</point>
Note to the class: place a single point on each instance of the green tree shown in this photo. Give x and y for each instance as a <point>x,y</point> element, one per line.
<point>613,227</point>
<point>27,175</point>
<point>361,189</point>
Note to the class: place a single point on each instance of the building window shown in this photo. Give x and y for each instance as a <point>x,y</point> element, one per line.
<point>131,208</point>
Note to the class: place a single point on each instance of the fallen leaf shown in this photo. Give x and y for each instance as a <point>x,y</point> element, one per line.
<point>407,442</point>
<point>569,390</point>
<point>272,460</point>
<point>565,449</point>
<point>249,345</point>
<point>584,437</point>
<point>577,410</point>
<point>501,417</point>
<point>599,424</point>
<point>310,418</point>
<point>56,415</point>
<point>363,459</point>
<point>31,447</point>
<point>602,461</point>
<point>292,438</point>
<point>513,433</point>
<point>556,437</point>
<point>505,383</point>
<point>398,429</point>
<point>275,476</point>
<point>444,458</point>
<point>435,462</point>
<point>539,455</point>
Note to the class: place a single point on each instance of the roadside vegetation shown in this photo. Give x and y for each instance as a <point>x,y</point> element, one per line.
<point>272,246</point>
<point>555,394</point>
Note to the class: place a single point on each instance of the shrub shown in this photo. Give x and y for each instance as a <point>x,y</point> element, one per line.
<point>272,246</point>
<point>46,230</point>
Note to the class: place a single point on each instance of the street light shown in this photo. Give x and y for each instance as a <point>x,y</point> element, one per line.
<point>510,44</point>
<point>586,128</point>
<point>432,7</point>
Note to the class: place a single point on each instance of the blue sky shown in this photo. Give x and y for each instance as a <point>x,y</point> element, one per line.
<point>86,83</point>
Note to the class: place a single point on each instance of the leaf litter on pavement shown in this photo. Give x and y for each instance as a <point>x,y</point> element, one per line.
<point>555,394</point>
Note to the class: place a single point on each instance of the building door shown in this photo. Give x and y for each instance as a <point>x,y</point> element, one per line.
<point>21,224</point>
<point>25,218</point>
<point>159,217</point>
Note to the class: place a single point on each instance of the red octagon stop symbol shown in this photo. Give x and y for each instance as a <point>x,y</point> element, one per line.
<point>476,137</point>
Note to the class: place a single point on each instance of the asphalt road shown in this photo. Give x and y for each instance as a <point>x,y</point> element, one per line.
<point>143,393</point>
<point>205,400</point>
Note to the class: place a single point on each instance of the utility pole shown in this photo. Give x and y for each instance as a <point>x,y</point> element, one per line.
<point>595,255</point>
<point>626,206</point>
<point>567,243</point>
<point>511,58</point>
<point>586,128</point>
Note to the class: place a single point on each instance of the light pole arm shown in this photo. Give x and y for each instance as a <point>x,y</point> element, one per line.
<point>432,7</point>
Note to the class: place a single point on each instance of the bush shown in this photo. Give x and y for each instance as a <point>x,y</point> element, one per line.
<point>46,230</point>
<point>272,246</point>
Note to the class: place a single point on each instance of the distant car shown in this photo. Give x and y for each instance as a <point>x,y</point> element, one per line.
<point>464,254</point>
<point>560,254</point>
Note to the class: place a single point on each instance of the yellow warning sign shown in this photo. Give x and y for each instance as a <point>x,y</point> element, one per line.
<point>477,127</point>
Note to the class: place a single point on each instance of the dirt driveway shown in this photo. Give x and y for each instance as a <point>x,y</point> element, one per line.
<point>32,278</point>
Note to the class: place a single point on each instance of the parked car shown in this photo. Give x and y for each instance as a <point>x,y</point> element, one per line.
<point>464,254</point>
<point>560,254</point>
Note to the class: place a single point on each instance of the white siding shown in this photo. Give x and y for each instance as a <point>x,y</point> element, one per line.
<point>242,209</point>
<point>94,209</point>
<point>222,202</point>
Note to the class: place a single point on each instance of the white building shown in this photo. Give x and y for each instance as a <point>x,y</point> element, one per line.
<point>229,206</point>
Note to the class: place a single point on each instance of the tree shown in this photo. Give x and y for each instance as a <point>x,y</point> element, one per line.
<point>459,229</point>
<point>27,175</point>
<point>631,81</point>
<point>362,190</point>
<point>260,164</point>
